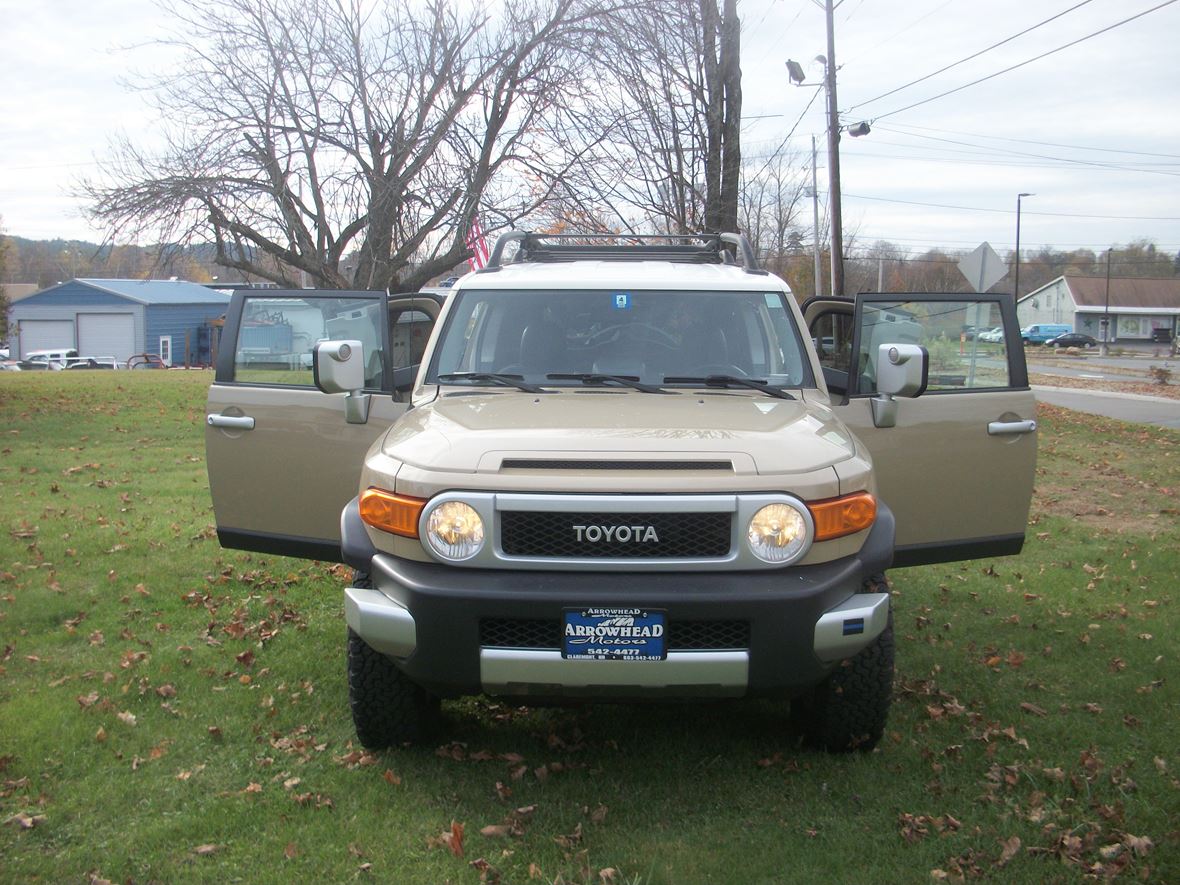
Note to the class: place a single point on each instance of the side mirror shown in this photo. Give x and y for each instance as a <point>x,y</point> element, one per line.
<point>902,370</point>
<point>339,367</point>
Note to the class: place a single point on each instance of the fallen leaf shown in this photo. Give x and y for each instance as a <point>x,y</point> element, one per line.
<point>126,718</point>
<point>1008,850</point>
<point>206,850</point>
<point>497,831</point>
<point>1032,708</point>
<point>291,851</point>
<point>1138,844</point>
<point>392,779</point>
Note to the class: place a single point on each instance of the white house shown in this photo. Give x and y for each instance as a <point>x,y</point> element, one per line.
<point>1137,307</point>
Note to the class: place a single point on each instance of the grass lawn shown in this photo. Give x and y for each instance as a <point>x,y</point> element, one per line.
<point>172,711</point>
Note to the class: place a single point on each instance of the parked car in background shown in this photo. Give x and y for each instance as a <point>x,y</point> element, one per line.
<point>54,359</point>
<point>145,361</point>
<point>1039,333</point>
<point>1073,339</point>
<point>94,362</point>
<point>994,336</point>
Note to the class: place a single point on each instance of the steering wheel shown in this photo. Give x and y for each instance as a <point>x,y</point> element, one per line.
<point>718,369</point>
<point>632,332</point>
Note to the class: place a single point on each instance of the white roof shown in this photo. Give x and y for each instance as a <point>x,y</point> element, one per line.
<point>628,275</point>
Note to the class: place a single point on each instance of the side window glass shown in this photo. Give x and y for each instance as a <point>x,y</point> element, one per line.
<point>831,333</point>
<point>956,333</point>
<point>277,335</point>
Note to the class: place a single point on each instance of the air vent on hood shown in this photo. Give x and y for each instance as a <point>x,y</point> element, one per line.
<point>556,464</point>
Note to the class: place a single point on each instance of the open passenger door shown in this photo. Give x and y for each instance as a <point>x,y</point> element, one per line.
<point>957,467</point>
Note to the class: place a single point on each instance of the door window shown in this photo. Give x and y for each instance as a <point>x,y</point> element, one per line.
<point>276,337</point>
<point>949,328</point>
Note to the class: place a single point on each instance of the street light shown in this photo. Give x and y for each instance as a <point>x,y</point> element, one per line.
<point>1016,275</point>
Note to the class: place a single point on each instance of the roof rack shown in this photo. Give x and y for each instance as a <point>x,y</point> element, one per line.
<point>684,248</point>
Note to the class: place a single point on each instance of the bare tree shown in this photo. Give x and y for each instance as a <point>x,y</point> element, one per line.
<point>659,134</point>
<point>305,131</point>
<point>770,209</point>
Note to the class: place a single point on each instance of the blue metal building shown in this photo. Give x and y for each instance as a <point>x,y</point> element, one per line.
<point>118,318</point>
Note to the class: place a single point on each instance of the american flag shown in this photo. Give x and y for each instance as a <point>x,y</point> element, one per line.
<point>477,244</point>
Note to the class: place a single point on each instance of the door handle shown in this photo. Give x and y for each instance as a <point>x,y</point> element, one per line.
<point>231,422</point>
<point>1001,428</point>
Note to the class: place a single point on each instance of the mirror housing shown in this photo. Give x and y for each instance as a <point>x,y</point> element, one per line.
<point>902,370</point>
<point>339,367</point>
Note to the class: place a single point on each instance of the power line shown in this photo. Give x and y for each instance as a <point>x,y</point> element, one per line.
<point>1023,63</point>
<point>783,143</point>
<point>1064,160</point>
<point>974,55</point>
<point>1010,212</point>
<point>900,127</point>
<point>1051,163</point>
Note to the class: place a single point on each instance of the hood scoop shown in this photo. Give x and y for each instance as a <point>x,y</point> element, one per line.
<point>601,464</point>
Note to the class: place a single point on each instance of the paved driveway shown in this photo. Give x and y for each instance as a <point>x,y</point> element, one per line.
<point>1155,410</point>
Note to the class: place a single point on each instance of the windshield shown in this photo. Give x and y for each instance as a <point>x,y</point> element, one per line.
<point>646,336</point>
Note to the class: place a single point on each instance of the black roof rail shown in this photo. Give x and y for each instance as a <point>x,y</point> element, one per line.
<point>684,248</point>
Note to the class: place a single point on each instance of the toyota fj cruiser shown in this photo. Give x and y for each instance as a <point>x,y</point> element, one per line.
<point>620,468</point>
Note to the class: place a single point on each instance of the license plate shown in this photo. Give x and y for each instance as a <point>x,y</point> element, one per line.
<point>613,634</point>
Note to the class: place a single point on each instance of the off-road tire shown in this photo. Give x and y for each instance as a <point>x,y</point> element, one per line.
<point>848,710</point>
<point>387,707</point>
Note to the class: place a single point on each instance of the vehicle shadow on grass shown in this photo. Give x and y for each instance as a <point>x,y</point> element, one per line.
<point>642,730</point>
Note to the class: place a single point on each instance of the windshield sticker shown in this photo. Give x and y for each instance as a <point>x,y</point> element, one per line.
<point>622,300</point>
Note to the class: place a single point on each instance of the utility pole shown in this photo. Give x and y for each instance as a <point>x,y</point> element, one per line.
<point>834,157</point>
<point>1106,310</point>
<point>819,273</point>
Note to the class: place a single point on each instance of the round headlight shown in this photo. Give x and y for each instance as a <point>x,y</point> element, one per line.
<point>455,531</point>
<point>778,533</point>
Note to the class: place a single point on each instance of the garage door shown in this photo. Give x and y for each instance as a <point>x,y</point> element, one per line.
<point>106,334</point>
<point>46,335</point>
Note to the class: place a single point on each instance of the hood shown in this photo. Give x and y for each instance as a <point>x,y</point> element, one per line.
<point>472,432</point>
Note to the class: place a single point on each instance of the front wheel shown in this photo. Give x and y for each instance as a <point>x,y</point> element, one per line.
<point>387,707</point>
<point>848,710</point>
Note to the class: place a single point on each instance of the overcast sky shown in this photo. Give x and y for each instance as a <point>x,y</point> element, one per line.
<point>1093,130</point>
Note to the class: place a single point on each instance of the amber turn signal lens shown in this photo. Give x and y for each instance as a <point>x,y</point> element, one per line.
<point>391,513</point>
<point>838,517</point>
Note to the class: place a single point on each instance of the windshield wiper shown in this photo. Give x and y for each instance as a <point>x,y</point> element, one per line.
<point>594,378</point>
<point>730,381</point>
<point>516,381</point>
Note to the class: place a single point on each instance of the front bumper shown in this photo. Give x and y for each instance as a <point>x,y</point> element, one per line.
<point>801,621</point>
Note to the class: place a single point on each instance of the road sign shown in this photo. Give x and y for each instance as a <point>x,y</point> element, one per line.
<point>983,268</point>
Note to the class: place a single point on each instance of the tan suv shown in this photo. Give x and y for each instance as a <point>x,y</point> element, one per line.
<point>620,469</point>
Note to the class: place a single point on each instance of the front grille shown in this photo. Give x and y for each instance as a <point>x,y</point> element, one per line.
<point>673,536</point>
<point>546,634</point>
<point>558,464</point>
